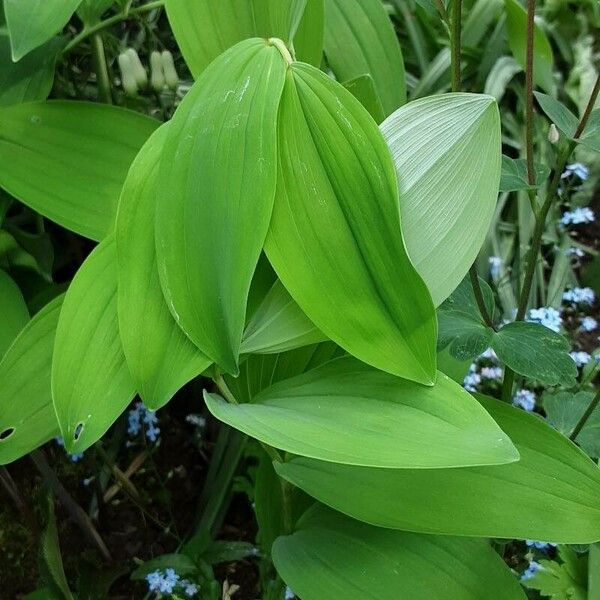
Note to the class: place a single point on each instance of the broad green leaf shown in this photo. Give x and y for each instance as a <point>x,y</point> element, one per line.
<point>446,149</point>
<point>558,113</point>
<point>594,572</point>
<point>335,239</point>
<point>68,160</point>
<point>90,11</point>
<point>565,409</point>
<point>591,134</point>
<point>279,325</point>
<point>91,384</point>
<point>161,359</point>
<point>564,581</point>
<point>514,175</point>
<point>465,336</point>
<point>347,412</point>
<point>363,89</point>
<point>32,22</point>
<point>359,40</point>
<point>27,418</point>
<point>550,494</point>
<point>268,504</point>
<point>31,78</point>
<point>537,352</point>
<point>204,29</point>
<point>332,556</point>
<point>216,192</point>
<point>543,59</point>
<point>13,310</point>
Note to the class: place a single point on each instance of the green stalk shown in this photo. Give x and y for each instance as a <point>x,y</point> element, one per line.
<point>122,16</point>
<point>586,415</point>
<point>101,68</point>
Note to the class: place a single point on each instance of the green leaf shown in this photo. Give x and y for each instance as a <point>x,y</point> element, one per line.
<point>268,504</point>
<point>363,88</point>
<point>32,22</point>
<point>500,75</point>
<point>594,572</point>
<point>565,581</point>
<point>13,310</point>
<point>446,149</point>
<point>591,134</point>
<point>220,153</point>
<point>332,556</point>
<point>90,11</point>
<point>347,412</point>
<point>27,418</point>
<point>182,563</point>
<point>534,351</point>
<point>31,78</point>
<point>279,325</point>
<point>514,175</point>
<point>68,160</point>
<point>91,384</point>
<point>161,359</point>
<point>543,59</point>
<point>550,494</point>
<point>204,29</point>
<point>334,238</point>
<point>359,40</point>
<point>558,113</point>
<point>565,409</point>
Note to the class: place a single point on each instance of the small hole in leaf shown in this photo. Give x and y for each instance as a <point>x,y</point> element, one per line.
<point>78,431</point>
<point>6,433</point>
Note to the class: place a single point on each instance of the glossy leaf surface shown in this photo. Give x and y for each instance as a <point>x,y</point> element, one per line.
<point>68,160</point>
<point>91,384</point>
<point>554,485</point>
<point>347,412</point>
<point>355,561</point>
<point>27,418</point>
<point>359,40</point>
<point>335,239</point>
<point>13,310</point>
<point>161,359</point>
<point>446,149</point>
<point>217,187</point>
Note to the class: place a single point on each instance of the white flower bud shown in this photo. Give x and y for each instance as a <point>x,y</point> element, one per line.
<point>171,76</point>
<point>141,77</point>
<point>127,74</point>
<point>157,75</point>
<point>553,134</point>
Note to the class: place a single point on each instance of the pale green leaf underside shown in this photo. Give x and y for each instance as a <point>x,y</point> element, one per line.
<point>347,412</point>
<point>13,311</point>
<point>91,384</point>
<point>25,397</point>
<point>447,153</point>
<point>217,186</point>
<point>278,325</point>
<point>550,494</point>
<point>334,238</point>
<point>204,29</point>
<point>356,561</point>
<point>68,160</point>
<point>359,40</point>
<point>161,359</point>
<point>32,22</point>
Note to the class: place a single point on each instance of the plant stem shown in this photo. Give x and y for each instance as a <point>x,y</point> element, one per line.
<point>76,512</point>
<point>586,415</point>
<point>228,395</point>
<point>101,68</point>
<point>529,93</point>
<point>540,225</point>
<point>478,292</point>
<point>122,16</point>
<point>13,491</point>
<point>442,10</point>
<point>455,43</point>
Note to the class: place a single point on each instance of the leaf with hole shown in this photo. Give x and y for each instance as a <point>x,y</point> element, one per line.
<point>161,359</point>
<point>335,239</point>
<point>446,149</point>
<point>550,494</point>
<point>347,412</point>
<point>68,160</point>
<point>27,418</point>
<point>359,40</point>
<point>91,384</point>
<point>355,561</point>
